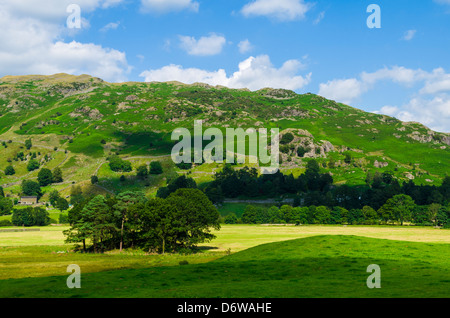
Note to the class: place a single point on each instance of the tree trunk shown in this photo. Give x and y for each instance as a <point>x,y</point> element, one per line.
<point>121,236</point>
<point>84,245</point>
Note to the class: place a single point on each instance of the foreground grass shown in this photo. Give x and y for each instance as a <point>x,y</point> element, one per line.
<point>319,266</point>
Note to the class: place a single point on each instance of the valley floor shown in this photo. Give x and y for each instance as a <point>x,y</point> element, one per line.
<point>244,261</point>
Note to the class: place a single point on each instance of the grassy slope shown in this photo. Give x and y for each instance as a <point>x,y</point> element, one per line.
<point>319,266</point>
<point>136,119</point>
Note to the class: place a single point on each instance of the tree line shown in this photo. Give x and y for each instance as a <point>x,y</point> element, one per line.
<point>397,210</point>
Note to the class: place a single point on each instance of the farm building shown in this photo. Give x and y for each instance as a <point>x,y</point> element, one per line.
<point>28,200</point>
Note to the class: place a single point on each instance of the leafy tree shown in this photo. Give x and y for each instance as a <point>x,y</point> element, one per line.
<point>57,175</point>
<point>348,158</point>
<point>95,223</point>
<point>53,197</point>
<point>399,208</point>
<point>370,215</point>
<point>2,193</point>
<point>31,188</point>
<point>231,219</point>
<point>121,209</point>
<point>6,206</point>
<point>156,167</point>
<point>313,166</point>
<point>28,144</point>
<point>301,151</point>
<point>62,204</point>
<point>432,212</point>
<point>142,172</point>
<point>76,195</point>
<point>119,165</point>
<point>322,215</point>
<point>29,216</point>
<point>33,164</point>
<point>182,182</point>
<point>195,216</point>
<point>9,171</point>
<point>45,177</point>
<point>94,179</point>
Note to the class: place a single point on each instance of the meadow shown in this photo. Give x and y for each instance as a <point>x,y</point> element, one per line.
<point>243,261</point>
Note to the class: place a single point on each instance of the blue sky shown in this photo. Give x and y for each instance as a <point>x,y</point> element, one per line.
<point>323,47</point>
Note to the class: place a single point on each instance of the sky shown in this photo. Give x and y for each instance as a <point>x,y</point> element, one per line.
<point>325,47</point>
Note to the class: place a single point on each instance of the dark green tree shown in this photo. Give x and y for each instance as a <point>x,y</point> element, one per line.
<point>156,167</point>
<point>9,170</point>
<point>33,164</point>
<point>62,204</point>
<point>57,175</point>
<point>45,177</point>
<point>28,144</point>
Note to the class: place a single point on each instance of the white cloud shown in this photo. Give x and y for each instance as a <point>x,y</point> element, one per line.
<point>164,6</point>
<point>433,113</point>
<point>342,90</point>
<point>31,42</point>
<point>409,35</point>
<point>430,105</point>
<point>245,46</point>
<point>206,45</point>
<point>283,10</point>
<point>254,73</point>
<point>347,90</point>
<point>110,26</point>
<point>400,75</point>
<point>51,10</point>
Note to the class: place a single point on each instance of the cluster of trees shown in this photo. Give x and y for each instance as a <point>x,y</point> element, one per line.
<point>29,216</point>
<point>47,177</point>
<point>397,210</point>
<point>180,221</point>
<point>231,183</point>
<point>315,189</point>
<point>155,168</point>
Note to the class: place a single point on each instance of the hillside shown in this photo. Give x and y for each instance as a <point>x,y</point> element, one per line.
<point>77,121</point>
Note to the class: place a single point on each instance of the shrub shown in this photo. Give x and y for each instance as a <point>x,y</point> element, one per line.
<point>32,165</point>
<point>156,167</point>
<point>4,223</point>
<point>94,179</point>
<point>286,139</point>
<point>9,171</point>
<point>301,151</point>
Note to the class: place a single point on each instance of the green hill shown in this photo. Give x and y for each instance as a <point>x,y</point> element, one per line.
<point>77,121</point>
<point>319,266</point>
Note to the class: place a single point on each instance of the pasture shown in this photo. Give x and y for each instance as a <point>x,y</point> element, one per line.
<point>244,261</point>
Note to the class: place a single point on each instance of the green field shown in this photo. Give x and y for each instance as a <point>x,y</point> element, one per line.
<point>244,261</point>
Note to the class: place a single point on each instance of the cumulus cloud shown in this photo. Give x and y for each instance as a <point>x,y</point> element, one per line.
<point>245,46</point>
<point>254,73</point>
<point>32,44</point>
<point>282,10</point>
<point>342,90</point>
<point>347,90</point>
<point>164,6</point>
<point>432,112</point>
<point>429,105</point>
<point>206,45</point>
